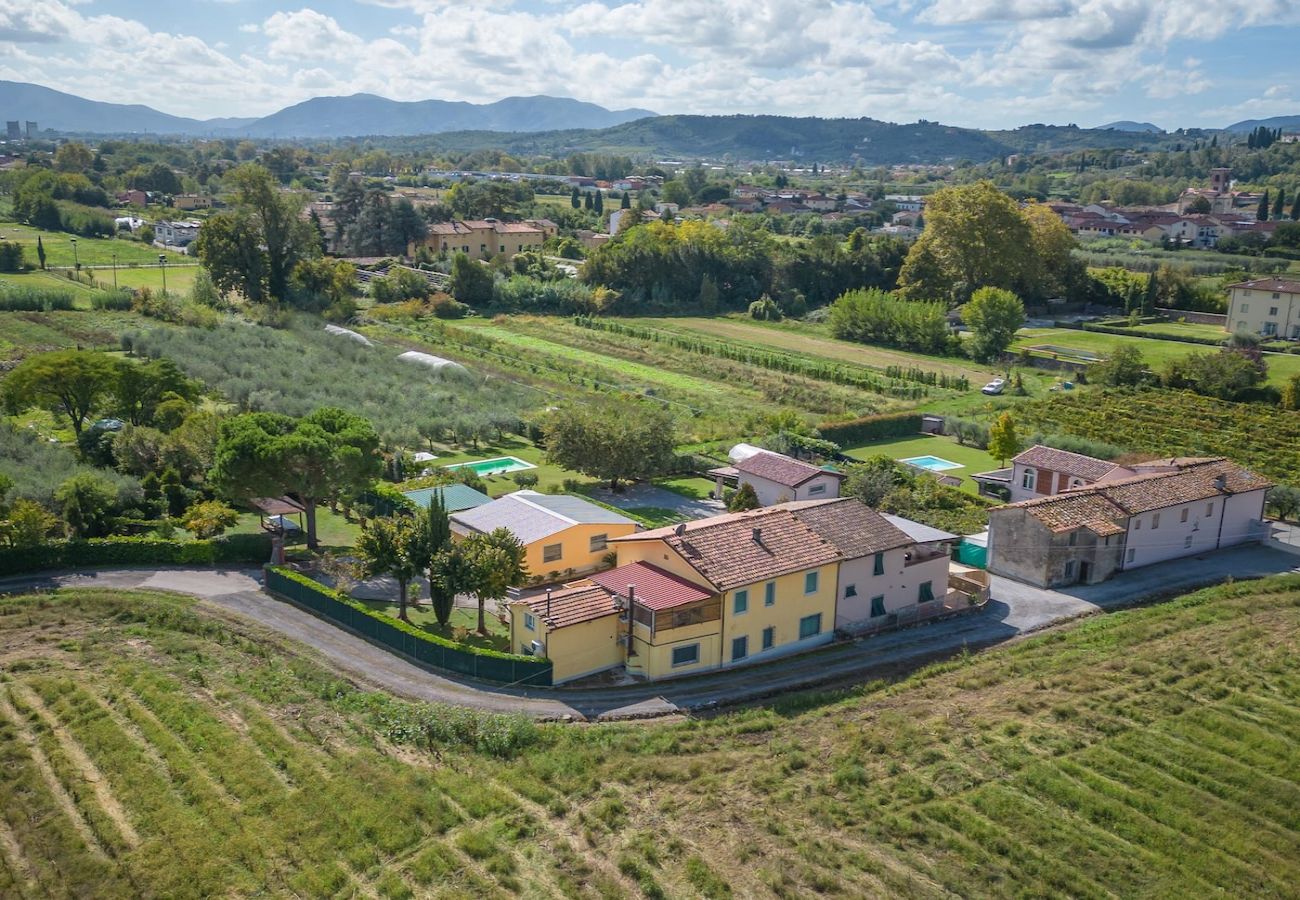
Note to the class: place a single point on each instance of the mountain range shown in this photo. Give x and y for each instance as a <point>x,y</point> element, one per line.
<point>544,125</point>
<point>320,117</point>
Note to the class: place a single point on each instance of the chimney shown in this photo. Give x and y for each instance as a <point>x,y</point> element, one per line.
<point>1221,482</point>
<point>548,603</point>
<point>758,536</point>
<point>680,529</point>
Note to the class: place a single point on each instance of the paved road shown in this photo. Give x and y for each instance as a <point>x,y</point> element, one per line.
<point>1015,609</point>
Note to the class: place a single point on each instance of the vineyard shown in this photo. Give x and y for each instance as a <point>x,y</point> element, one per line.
<point>1264,439</point>
<point>154,749</point>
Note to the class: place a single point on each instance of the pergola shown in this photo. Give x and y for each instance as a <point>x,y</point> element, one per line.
<point>273,511</point>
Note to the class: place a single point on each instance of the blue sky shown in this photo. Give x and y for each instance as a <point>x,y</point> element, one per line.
<point>981,63</point>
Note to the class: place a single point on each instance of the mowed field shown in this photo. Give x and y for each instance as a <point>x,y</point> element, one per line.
<point>152,748</point>
<point>1157,353</point>
<point>91,252</point>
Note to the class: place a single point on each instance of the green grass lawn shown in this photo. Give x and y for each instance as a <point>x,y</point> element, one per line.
<point>972,459</point>
<point>1182,330</point>
<point>154,748</point>
<point>694,487</point>
<point>91,252</point>
<point>461,628</point>
<point>1158,353</point>
<point>332,530</point>
<point>550,477</point>
<point>180,278</point>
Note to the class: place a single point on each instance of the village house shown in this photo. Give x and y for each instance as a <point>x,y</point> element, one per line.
<point>775,477</point>
<point>132,198</point>
<point>480,239</point>
<point>191,201</point>
<point>1164,509</point>
<point>736,589</point>
<point>1044,471</point>
<point>1265,306</point>
<point>906,202</point>
<point>175,235</point>
<point>560,533</point>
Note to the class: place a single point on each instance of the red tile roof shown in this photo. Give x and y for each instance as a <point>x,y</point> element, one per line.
<point>1282,285</point>
<point>1086,467</point>
<point>572,606</point>
<point>781,469</point>
<point>654,587</point>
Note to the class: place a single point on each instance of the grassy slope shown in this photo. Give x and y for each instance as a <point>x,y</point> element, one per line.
<point>150,749</point>
<point>90,252</point>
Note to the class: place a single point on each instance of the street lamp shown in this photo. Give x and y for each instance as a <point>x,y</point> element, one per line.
<point>162,264</point>
<point>114,270</point>
<point>76,259</point>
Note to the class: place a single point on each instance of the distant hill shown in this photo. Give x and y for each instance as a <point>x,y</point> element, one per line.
<point>67,112</point>
<point>367,114</point>
<point>1286,123</point>
<point>1127,125</point>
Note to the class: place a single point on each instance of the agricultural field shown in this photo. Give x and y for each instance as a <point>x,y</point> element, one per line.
<point>1262,438</point>
<point>1157,353</point>
<point>153,747</point>
<point>92,252</point>
<point>180,279</point>
<point>972,459</point>
<point>25,333</point>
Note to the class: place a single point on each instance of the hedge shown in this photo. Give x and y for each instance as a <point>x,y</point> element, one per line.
<point>1127,331</point>
<point>404,638</point>
<point>872,428</point>
<point>135,551</point>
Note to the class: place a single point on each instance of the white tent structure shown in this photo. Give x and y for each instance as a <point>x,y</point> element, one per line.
<point>349,334</point>
<point>433,362</point>
<point>742,451</point>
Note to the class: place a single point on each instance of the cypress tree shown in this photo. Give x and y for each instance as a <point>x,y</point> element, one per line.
<point>626,202</point>
<point>1279,205</point>
<point>1295,208</point>
<point>574,199</point>
<point>599,203</point>
<point>1261,214</point>
<point>586,200</point>
<point>40,248</point>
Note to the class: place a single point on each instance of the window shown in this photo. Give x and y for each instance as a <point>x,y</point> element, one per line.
<point>850,590</point>
<point>769,594</point>
<point>686,656</point>
<point>925,593</point>
<point>1277,296</point>
<point>740,603</point>
<point>1137,524</point>
<point>1129,556</point>
<point>815,489</point>
<point>769,637</point>
<point>1155,521</point>
<point>739,647</point>
<point>1069,569</point>
<point>552,552</point>
<point>599,542</point>
<point>1028,480</point>
<point>1272,310</point>
<point>1183,518</point>
<point>809,626</point>
<point>810,583</point>
<point>878,565</point>
<point>1074,538</point>
<point>1270,328</point>
<point>1245,307</point>
<point>529,622</point>
<point>1187,541</point>
<point>877,606</point>
<point>1209,509</point>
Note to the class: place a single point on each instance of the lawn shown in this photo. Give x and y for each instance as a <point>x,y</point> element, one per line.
<point>91,252</point>
<point>1182,330</point>
<point>1157,353</point>
<point>153,747</point>
<point>695,487</point>
<point>972,459</point>
<point>462,627</point>
<point>180,278</point>
<point>550,478</point>
<point>332,529</point>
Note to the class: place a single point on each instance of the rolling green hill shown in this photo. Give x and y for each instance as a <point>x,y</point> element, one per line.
<point>151,748</point>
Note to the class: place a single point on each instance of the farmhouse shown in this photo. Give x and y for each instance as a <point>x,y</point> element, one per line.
<point>1043,471</point>
<point>1267,306</point>
<point>560,533</point>
<point>480,239</point>
<point>1163,510</point>
<point>777,478</point>
<point>735,589</point>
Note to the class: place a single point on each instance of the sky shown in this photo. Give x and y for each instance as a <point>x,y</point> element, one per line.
<point>976,63</point>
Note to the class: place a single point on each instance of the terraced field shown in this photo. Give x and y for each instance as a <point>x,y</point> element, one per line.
<point>153,749</point>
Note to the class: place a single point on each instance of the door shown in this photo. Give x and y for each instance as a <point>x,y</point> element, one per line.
<point>1084,569</point>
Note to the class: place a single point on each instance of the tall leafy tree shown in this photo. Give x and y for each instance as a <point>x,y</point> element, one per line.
<point>392,547</point>
<point>993,316</point>
<point>86,500</point>
<point>494,562</point>
<point>320,457</point>
<point>613,442</point>
<point>73,383</point>
<point>142,388</point>
<point>1004,443</point>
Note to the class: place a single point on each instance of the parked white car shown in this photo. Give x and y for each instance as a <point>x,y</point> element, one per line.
<point>996,386</point>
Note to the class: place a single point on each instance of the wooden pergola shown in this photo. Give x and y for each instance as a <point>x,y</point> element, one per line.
<point>273,511</point>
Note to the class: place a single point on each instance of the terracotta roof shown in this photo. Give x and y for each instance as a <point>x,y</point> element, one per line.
<point>573,606</point>
<point>654,587</point>
<point>1269,284</point>
<point>726,552</point>
<point>852,527</point>
<point>781,469</point>
<point>1183,480</point>
<point>1076,464</point>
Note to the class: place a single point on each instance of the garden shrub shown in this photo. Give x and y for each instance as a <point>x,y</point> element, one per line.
<point>135,551</point>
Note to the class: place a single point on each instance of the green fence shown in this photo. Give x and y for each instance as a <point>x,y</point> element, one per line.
<point>427,649</point>
<point>971,554</point>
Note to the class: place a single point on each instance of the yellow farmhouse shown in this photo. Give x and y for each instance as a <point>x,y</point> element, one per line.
<point>561,534</point>
<point>736,589</point>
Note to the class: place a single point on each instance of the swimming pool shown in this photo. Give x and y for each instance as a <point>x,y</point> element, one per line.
<point>497,466</point>
<point>932,463</point>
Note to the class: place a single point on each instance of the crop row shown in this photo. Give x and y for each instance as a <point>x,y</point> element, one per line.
<point>895,381</point>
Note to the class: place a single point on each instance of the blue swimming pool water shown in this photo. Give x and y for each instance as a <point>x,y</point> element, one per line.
<point>496,466</point>
<point>933,463</point>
